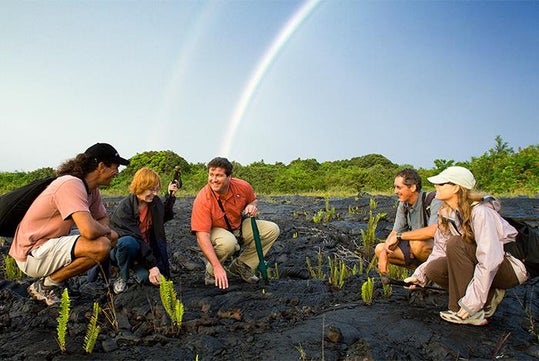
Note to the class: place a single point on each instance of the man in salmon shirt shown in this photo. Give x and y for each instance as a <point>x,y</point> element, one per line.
<point>44,245</point>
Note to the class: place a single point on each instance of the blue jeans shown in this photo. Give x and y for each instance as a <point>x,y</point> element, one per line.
<point>126,256</point>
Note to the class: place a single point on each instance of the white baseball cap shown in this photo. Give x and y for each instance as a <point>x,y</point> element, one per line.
<point>456,175</point>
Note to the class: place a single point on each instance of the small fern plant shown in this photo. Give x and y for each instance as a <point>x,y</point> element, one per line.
<point>324,215</point>
<point>62,319</point>
<point>367,290</point>
<point>172,305</point>
<point>318,272</point>
<point>11,270</point>
<point>369,236</point>
<point>93,330</point>
<point>339,271</point>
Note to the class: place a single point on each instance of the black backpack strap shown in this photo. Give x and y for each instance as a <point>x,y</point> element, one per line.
<point>427,200</point>
<point>223,209</point>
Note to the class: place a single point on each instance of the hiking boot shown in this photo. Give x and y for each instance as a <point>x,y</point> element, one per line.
<point>50,294</point>
<point>119,285</point>
<point>494,302</point>
<point>243,271</point>
<point>478,319</point>
<point>209,279</point>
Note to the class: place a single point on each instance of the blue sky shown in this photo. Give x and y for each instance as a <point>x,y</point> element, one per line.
<point>414,81</point>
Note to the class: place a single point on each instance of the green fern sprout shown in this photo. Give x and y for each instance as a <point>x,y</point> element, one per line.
<point>361,262</point>
<point>387,289</point>
<point>62,319</point>
<point>301,351</point>
<point>172,305</point>
<point>338,272</point>
<point>166,295</point>
<point>93,330</point>
<point>274,272</point>
<point>178,313</point>
<point>372,265</point>
<point>11,270</point>
<point>367,290</point>
<point>317,218</point>
<point>369,236</point>
<point>324,215</point>
<point>317,273</point>
<point>398,272</point>
<point>110,310</point>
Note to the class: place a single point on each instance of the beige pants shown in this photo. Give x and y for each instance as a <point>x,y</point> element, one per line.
<point>48,258</point>
<point>225,242</point>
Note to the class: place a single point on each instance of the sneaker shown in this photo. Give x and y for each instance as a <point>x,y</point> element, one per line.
<point>119,285</point>
<point>209,279</point>
<point>478,319</point>
<point>494,302</point>
<point>243,271</point>
<point>50,294</point>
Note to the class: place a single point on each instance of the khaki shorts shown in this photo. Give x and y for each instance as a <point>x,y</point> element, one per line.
<point>48,258</point>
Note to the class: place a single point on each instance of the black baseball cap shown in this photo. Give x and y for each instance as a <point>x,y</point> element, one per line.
<point>104,152</point>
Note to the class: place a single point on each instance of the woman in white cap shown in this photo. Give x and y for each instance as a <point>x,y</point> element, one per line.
<point>468,258</point>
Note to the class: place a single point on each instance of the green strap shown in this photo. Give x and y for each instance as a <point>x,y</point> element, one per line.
<point>262,263</point>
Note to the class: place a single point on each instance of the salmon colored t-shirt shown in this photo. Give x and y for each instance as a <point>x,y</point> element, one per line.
<point>207,214</point>
<point>49,216</point>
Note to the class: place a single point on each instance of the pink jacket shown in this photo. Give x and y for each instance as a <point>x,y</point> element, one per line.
<point>491,233</point>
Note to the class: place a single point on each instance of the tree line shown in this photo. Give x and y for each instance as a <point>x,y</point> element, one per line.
<point>499,171</point>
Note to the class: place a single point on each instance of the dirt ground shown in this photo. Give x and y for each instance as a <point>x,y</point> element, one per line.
<point>292,316</point>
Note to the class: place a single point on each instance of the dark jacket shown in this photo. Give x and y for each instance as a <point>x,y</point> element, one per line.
<point>125,221</point>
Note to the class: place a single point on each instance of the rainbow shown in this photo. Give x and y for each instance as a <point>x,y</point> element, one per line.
<point>171,90</point>
<point>261,69</point>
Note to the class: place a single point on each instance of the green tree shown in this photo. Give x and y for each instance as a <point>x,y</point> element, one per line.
<point>499,171</point>
<point>370,160</point>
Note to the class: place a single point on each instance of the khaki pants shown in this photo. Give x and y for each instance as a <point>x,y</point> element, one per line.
<point>225,242</point>
<point>455,271</point>
<point>54,254</point>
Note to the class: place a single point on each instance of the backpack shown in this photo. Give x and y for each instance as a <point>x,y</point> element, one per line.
<point>427,200</point>
<point>14,204</point>
<point>526,246</point>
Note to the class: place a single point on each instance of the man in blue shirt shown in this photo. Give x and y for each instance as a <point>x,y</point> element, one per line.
<point>411,240</point>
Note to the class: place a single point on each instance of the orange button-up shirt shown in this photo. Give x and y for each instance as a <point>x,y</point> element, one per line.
<point>207,214</point>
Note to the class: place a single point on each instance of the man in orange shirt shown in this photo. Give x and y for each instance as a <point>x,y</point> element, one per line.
<point>220,222</point>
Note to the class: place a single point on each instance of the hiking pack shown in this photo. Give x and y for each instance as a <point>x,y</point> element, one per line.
<point>14,204</point>
<point>427,200</point>
<point>526,245</point>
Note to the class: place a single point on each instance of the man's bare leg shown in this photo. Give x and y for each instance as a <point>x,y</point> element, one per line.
<point>421,250</point>
<point>383,262</point>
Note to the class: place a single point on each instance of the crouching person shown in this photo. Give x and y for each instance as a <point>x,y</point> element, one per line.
<point>410,242</point>
<point>220,217</point>
<point>43,247</point>
<point>468,257</point>
<point>139,220</point>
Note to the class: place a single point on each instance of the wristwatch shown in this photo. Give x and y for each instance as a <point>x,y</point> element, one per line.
<point>399,236</point>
